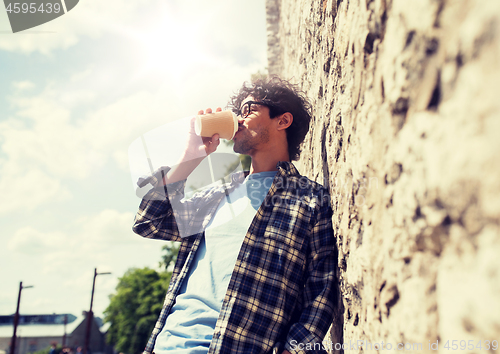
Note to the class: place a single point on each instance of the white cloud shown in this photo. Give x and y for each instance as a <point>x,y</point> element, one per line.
<point>23,85</point>
<point>100,239</point>
<point>49,140</point>
<point>42,146</point>
<point>109,227</point>
<point>69,126</point>
<point>223,26</point>
<point>89,18</point>
<point>26,189</point>
<point>65,260</point>
<point>26,240</point>
<point>44,131</point>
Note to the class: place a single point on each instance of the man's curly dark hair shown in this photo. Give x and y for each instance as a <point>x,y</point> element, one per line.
<point>280,96</point>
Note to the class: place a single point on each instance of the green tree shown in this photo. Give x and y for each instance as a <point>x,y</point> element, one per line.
<point>170,255</point>
<point>137,302</point>
<point>47,350</point>
<point>134,308</point>
<point>245,160</point>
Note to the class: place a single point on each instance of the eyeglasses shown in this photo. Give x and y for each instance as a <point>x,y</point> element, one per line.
<point>246,109</point>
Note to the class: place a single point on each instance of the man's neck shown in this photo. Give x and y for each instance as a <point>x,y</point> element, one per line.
<point>264,163</point>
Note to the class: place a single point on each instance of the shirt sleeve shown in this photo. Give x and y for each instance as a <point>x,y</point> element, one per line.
<point>156,218</point>
<point>321,287</point>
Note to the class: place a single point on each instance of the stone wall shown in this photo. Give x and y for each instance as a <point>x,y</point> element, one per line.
<point>406,134</point>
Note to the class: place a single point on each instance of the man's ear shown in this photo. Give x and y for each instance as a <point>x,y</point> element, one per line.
<point>285,120</point>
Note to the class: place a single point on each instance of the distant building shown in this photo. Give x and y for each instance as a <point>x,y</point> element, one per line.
<point>37,332</point>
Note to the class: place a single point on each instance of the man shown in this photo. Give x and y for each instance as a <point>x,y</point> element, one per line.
<point>53,347</point>
<point>259,274</point>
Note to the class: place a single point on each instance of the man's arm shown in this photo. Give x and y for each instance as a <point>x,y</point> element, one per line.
<point>155,218</point>
<point>320,289</point>
<point>196,150</point>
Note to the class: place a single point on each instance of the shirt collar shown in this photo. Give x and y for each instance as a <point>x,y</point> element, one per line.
<point>287,169</point>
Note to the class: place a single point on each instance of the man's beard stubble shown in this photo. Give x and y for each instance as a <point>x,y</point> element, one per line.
<point>244,144</point>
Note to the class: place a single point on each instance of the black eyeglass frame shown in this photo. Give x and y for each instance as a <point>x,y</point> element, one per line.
<point>274,110</point>
<point>240,111</point>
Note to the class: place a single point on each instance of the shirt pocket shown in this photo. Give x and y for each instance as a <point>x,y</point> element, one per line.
<point>289,223</point>
<point>277,230</point>
<point>284,255</point>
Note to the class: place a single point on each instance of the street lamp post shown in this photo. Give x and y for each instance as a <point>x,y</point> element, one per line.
<point>64,334</point>
<point>90,314</point>
<point>16,318</point>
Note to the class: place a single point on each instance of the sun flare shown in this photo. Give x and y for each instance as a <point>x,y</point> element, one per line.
<point>170,47</point>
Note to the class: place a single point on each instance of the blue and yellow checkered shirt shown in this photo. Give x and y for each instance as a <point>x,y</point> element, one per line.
<point>283,288</point>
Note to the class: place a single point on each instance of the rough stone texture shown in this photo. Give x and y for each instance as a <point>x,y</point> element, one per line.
<point>273,42</point>
<point>406,134</point>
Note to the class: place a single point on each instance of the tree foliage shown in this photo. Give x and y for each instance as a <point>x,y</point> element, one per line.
<point>58,350</point>
<point>170,255</point>
<point>136,304</point>
<point>245,160</point>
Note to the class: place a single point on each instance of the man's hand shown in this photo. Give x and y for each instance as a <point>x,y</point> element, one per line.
<point>197,148</point>
<point>200,147</point>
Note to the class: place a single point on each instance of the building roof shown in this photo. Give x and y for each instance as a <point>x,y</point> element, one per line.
<point>44,326</point>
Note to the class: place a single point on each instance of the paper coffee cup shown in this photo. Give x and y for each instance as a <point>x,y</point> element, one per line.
<point>223,123</point>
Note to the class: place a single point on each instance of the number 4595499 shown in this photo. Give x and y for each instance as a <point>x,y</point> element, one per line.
<point>471,345</point>
<point>32,8</point>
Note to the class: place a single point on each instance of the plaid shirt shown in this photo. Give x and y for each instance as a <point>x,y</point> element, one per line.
<point>283,288</point>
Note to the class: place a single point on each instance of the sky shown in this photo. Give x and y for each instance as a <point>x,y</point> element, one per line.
<point>75,94</point>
